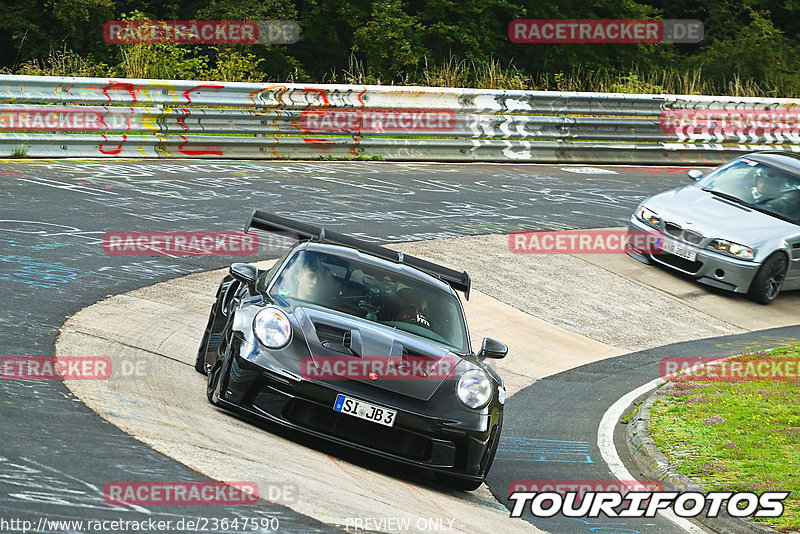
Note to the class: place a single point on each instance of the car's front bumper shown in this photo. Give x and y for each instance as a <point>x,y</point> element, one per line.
<point>432,443</point>
<point>709,268</point>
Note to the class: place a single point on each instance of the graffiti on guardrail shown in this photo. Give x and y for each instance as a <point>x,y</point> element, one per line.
<point>118,118</point>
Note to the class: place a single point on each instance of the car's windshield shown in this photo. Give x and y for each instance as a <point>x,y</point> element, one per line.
<point>758,186</point>
<point>375,294</point>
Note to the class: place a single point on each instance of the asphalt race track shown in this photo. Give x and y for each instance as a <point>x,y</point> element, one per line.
<point>59,453</point>
<point>575,402</point>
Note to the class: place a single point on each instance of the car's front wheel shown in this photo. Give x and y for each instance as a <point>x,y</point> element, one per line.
<point>459,483</point>
<point>472,485</point>
<point>214,376</point>
<point>200,360</point>
<point>768,281</point>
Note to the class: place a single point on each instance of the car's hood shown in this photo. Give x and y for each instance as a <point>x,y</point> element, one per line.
<point>404,363</point>
<point>715,217</point>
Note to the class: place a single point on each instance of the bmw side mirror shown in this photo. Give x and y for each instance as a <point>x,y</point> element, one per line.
<point>695,175</point>
<point>246,274</point>
<point>492,348</point>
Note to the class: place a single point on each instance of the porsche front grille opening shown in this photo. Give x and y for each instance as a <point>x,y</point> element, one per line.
<point>393,440</point>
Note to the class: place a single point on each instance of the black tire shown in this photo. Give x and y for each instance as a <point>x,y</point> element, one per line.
<point>495,444</point>
<point>213,379</point>
<point>200,360</point>
<point>767,283</point>
<point>459,483</point>
<point>472,485</point>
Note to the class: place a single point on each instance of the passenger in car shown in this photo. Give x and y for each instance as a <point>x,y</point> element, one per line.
<point>412,307</point>
<point>767,185</point>
<point>314,282</point>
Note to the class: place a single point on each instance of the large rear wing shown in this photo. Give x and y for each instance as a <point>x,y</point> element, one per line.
<point>268,222</point>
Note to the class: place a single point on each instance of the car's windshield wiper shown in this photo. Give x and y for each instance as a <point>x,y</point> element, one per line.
<point>728,197</point>
<point>776,215</point>
<point>752,207</point>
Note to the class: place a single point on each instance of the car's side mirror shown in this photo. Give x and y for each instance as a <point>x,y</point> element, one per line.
<point>245,273</point>
<point>695,175</point>
<point>492,348</point>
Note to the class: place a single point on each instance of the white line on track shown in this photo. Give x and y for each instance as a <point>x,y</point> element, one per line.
<point>605,441</point>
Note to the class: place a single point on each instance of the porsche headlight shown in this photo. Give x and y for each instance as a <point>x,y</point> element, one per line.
<point>272,328</point>
<point>734,249</point>
<point>649,216</point>
<point>474,389</point>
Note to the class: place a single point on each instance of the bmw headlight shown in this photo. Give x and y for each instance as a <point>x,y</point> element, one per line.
<point>734,249</point>
<point>272,328</point>
<point>649,216</point>
<point>474,389</point>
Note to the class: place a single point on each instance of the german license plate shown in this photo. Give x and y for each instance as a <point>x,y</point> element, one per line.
<point>364,410</point>
<point>679,250</point>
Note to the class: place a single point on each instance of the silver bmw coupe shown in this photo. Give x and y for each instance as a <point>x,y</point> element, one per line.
<point>736,228</point>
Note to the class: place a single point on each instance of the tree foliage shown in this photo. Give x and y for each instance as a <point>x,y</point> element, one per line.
<point>748,43</point>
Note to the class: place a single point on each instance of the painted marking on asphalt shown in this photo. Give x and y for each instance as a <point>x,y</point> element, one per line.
<point>611,527</point>
<point>605,441</point>
<point>544,450</point>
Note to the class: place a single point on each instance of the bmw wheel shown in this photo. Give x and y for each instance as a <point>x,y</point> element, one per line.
<point>768,281</point>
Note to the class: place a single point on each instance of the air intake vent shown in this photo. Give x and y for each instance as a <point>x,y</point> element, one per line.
<point>331,333</point>
<point>418,364</point>
<point>336,339</point>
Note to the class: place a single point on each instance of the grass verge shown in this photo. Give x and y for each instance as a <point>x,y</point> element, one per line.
<point>736,436</point>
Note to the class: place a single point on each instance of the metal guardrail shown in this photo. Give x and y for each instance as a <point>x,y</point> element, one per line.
<point>98,117</point>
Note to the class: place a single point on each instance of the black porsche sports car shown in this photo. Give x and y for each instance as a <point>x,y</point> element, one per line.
<point>360,345</point>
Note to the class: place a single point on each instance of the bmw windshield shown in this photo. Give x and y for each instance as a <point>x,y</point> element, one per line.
<point>374,294</point>
<point>757,186</point>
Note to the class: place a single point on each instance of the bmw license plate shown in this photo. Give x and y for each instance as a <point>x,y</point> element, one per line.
<point>673,247</point>
<point>364,410</point>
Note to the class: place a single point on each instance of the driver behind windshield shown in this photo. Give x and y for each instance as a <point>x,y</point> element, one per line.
<point>767,185</point>
<point>413,307</point>
<point>308,279</point>
<point>365,291</point>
